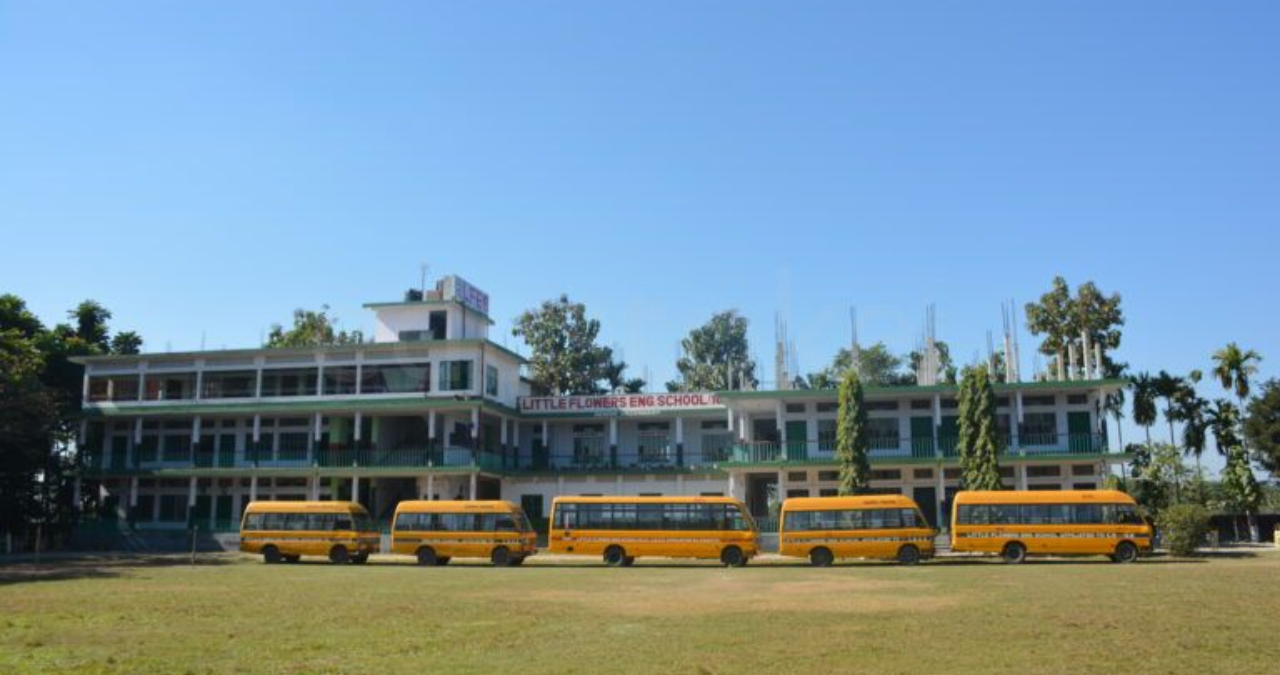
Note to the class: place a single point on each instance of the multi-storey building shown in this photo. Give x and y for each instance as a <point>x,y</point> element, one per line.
<point>431,408</point>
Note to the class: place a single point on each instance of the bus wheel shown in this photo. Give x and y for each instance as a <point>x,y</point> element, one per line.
<point>628,561</point>
<point>821,557</point>
<point>732,557</point>
<point>443,560</point>
<point>338,555</point>
<point>1014,553</point>
<point>614,556</point>
<point>500,557</point>
<point>427,556</point>
<point>909,555</point>
<point>517,561</point>
<point>1126,552</point>
<point>271,555</point>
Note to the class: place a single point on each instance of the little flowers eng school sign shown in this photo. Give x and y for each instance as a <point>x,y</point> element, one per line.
<point>620,404</point>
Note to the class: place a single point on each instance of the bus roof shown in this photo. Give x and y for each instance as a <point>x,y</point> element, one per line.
<point>455,506</point>
<point>305,507</point>
<point>1043,497</point>
<point>854,502</point>
<point>645,500</point>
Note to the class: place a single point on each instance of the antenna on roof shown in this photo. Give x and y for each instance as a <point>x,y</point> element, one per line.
<point>423,286</point>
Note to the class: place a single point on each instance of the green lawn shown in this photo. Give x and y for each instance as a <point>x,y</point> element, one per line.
<point>1219,614</point>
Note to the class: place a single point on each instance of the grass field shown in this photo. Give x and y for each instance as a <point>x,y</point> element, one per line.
<point>229,614</point>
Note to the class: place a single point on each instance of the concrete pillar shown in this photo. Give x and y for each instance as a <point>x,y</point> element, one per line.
<point>355,489</point>
<point>731,485</point>
<point>679,444</point>
<point>253,488</point>
<point>472,494</point>
<point>431,426</point>
<point>357,433</point>
<point>191,493</point>
<point>133,491</point>
<point>313,488</point>
<point>431,486</point>
<point>942,496</point>
<point>613,442</point>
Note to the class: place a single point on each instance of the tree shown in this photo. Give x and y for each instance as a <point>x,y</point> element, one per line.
<point>615,375</point>
<point>1234,367</point>
<point>1192,410</point>
<point>126,343</point>
<point>1144,402</point>
<point>1169,387</point>
<point>91,323</point>
<point>312,329</point>
<point>716,356</point>
<point>946,367</point>
<point>1262,426</point>
<point>565,358</point>
<point>853,444</point>
<point>876,366</point>
<point>977,444</point>
<point>1239,485</point>
<point>1061,318</point>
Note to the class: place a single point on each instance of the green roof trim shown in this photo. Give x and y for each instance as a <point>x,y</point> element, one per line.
<point>413,403</point>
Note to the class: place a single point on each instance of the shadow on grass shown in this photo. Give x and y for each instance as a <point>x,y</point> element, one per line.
<point>63,567</point>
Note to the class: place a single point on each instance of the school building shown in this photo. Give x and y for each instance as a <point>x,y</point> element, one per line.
<point>432,409</point>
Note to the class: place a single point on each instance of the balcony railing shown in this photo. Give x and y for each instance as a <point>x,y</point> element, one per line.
<point>946,447</point>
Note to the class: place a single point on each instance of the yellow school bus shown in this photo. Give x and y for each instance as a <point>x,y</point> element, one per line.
<point>438,531</point>
<point>286,531</point>
<point>885,527</point>
<point>620,529</point>
<point>1015,524</point>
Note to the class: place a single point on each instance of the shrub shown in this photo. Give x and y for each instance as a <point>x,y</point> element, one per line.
<point>1184,526</point>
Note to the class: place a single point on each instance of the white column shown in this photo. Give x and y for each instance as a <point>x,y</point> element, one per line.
<point>731,484</point>
<point>320,375</point>
<point>253,488</point>
<point>313,485</point>
<point>191,492</point>
<point>502,430</point>
<point>359,424</point>
<point>75,495</point>
<point>257,371</point>
<point>142,380</point>
<point>431,425</point>
<point>475,422</point>
<point>199,393</point>
<point>778,411</point>
<point>1020,476</point>
<point>257,428</point>
<point>729,418</point>
<point>942,496</point>
<point>431,486</point>
<point>613,431</point>
<point>782,485</point>
<point>195,429</point>
<point>472,494</point>
<point>355,488</point>
<point>680,430</point>
<point>319,422</point>
<point>133,491</point>
<point>137,430</point>
<point>84,386</point>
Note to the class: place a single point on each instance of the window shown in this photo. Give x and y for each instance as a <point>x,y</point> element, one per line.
<point>1044,471</point>
<point>826,434</point>
<point>415,336</point>
<point>828,406</point>
<point>1043,400</point>
<point>797,476</point>
<point>396,379</point>
<point>1077,399</point>
<point>653,439</point>
<point>922,474</point>
<point>881,405</point>
<point>1039,428</point>
<point>853,519</point>
<point>886,474</point>
<point>118,388</point>
<point>828,476</point>
<point>230,384</point>
<point>1082,470</point>
<point>289,382</point>
<point>882,433</point>
<point>170,386</point>
<point>798,492</point>
<point>828,492</point>
<point>491,380</point>
<point>795,407</point>
<point>921,404</point>
<point>173,508</point>
<point>455,375</point>
<point>339,380</point>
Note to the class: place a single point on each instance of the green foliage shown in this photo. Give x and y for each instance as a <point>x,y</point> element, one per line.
<point>1234,367</point>
<point>1262,426</point>
<point>1061,317</point>
<point>126,343</point>
<point>565,359</point>
<point>977,443</point>
<point>1157,475</point>
<point>40,392</point>
<point>716,356</point>
<point>877,365</point>
<point>1183,527</point>
<point>1144,401</point>
<point>853,445</point>
<point>312,329</point>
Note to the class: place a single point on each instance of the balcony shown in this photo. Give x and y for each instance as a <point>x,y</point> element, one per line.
<point>289,456</point>
<point>889,449</point>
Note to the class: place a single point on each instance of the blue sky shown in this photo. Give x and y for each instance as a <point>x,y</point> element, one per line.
<point>204,168</point>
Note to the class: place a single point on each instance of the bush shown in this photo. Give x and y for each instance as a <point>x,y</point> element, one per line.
<point>1183,527</point>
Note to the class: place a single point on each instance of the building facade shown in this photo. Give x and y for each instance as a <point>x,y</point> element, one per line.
<point>432,409</point>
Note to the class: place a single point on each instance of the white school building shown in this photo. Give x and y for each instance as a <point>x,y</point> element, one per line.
<point>432,409</point>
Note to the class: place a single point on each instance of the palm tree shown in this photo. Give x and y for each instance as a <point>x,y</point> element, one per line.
<point>1191,410</point>
<point>1144,402</point>
<point>1167,387</point>
<point>1234,367</point>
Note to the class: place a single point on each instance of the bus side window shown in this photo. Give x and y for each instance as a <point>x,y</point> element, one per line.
<point>342,522</point>
<point>504,523</point>
<point>1129,515</point>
